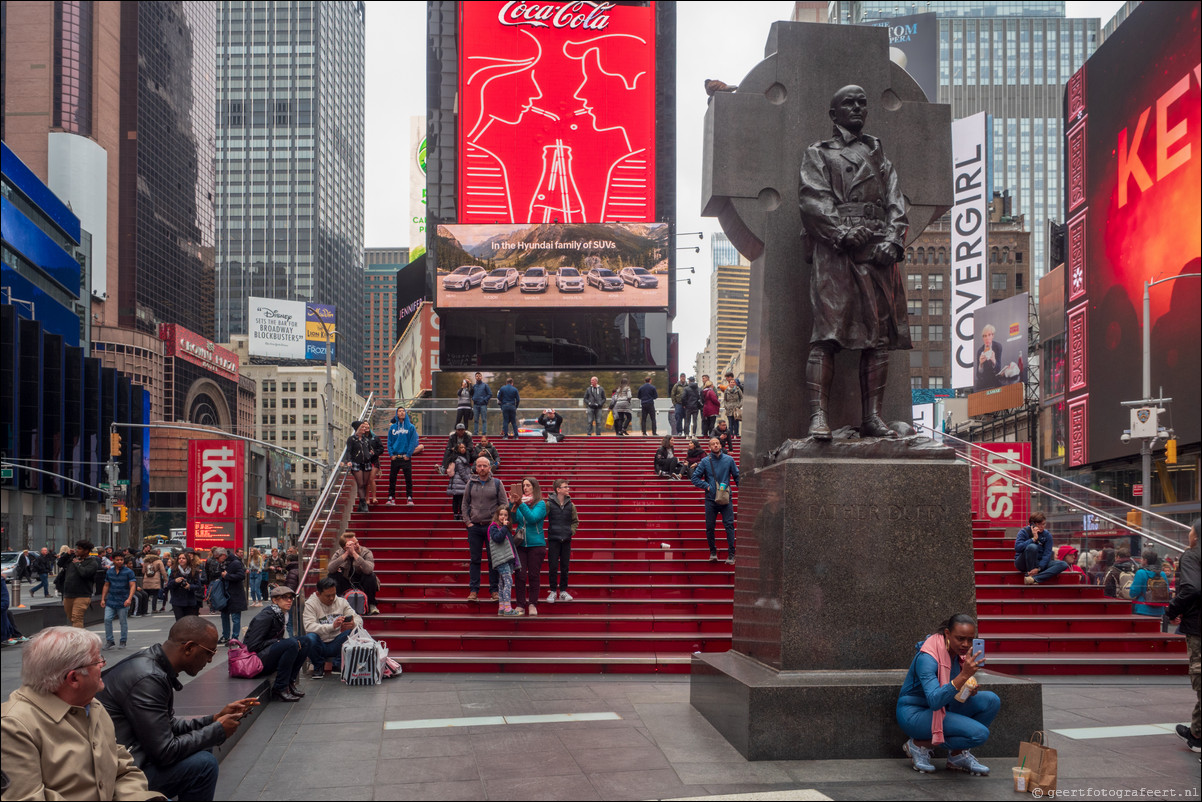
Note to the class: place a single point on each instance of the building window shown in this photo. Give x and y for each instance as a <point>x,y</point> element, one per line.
<point>935,333</point>
<point>935,382</point>
<point>999,282</point>
<point>915,382</point>
<point>935,307</point>
<point>914,306</point>
<point>935,281</point>
<point>913,282</point>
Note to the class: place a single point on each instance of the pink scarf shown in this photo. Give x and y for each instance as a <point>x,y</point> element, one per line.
<point>936,647</point>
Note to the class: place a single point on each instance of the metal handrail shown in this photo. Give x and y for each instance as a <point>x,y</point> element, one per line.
<point>339,474</point>
<point>972,460</point>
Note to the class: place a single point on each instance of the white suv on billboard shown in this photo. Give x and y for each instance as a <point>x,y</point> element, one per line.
<point>464,278</point>
<point>534,280</point>
<point>500,280</point>
<point>568,279</point>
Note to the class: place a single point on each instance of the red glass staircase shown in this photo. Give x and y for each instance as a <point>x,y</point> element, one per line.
<point>1062,627</point>
<point>646,595</point>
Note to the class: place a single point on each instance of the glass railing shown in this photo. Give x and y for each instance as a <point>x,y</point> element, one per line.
<point>438,416</point>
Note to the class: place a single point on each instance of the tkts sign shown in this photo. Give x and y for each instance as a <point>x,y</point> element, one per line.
<point>557,119</point>
<point>999,493</point>
<point>216,471</point>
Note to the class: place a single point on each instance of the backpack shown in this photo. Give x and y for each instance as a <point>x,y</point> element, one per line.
<point>357,599</point>
<point>1117,580</point>
<point>1157,590</point>
<point>219,597</point>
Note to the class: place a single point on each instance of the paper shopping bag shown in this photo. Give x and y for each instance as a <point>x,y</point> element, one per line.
<point>1041,760</point>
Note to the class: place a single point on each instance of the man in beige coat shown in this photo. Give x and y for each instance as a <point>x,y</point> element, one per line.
<point>56,743</point>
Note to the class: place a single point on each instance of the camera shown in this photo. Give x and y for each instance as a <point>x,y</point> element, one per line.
<point>1126,436</point>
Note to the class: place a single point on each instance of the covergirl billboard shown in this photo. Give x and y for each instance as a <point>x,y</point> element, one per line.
<point>1134,157</point>
<point>557,112</point>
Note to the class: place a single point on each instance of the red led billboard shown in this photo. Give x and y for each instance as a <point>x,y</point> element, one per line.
<point>556,112</point>
<point>1134,155</point>
<point>216,471</point>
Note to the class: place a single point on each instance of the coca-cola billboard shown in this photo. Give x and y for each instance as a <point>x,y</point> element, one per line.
<point>216,470</point>
<point>999,495</point>
<point>557,112</point>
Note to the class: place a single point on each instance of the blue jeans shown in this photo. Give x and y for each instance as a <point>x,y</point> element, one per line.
<point>477,537</point>
<point>116,612</point>
<point>1029,560</point>
<point>194,777</point>
<point>966,725</point>
<point>728,523</point>
<point>285,658</point>
<point>481,413</point>
<point>593,420</point>
<point>509,418</point>
<point>226,619</point>
<point>43,583</point>
<point>320,651</point>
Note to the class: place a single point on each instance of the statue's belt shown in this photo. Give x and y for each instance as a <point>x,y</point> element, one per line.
<point>866,210</point>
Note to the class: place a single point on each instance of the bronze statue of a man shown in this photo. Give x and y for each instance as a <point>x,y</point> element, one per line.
<point>855,221</point>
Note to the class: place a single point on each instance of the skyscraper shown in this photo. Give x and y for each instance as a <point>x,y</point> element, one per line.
<point>380,305</point>
<point>290,143</point>
<point>730,287</point>
<point>1011,60</point>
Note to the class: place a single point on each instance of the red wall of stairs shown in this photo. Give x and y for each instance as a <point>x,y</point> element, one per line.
<point>643,606</point>
<point>1061,627</point>
<point>639,606</point>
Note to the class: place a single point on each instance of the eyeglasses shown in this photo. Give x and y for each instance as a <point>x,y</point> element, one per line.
<point>100,662</point>
<point>201,645</point>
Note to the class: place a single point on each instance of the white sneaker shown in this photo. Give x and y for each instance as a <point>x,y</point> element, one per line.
<point>390,502</point>
<point>564,596</point>
<point>551,597</point>
<point>409,501</point>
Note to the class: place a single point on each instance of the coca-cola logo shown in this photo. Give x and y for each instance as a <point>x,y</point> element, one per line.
<point>582,14</point>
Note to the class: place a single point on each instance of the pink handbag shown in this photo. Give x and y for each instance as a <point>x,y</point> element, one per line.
<point>243,662</point>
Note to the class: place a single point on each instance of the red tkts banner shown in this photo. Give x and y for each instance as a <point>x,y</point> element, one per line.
<point>557,112</point>
<point>997,495</point>
<point>216,471</point>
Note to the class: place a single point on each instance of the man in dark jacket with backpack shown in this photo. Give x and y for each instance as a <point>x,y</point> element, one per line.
<point>691,401</point>
<point>483,497</point>
<point>232,575</point>
<point>1186,607</point>
<point>717,472</point>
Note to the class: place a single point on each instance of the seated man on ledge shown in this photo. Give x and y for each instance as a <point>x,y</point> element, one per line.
<point>1033,551</point>
<point>353,566</point>
<point>328,620</point>
<point>56,744</point>
<point>139,695</point>
<point>552,423</point>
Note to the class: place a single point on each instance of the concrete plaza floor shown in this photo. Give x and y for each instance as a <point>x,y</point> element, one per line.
<point>635,737</point>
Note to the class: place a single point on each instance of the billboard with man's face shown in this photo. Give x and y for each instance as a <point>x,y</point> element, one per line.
<point>557,112</point>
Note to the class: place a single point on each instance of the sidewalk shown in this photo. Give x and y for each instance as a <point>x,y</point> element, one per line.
<point>645,742</point>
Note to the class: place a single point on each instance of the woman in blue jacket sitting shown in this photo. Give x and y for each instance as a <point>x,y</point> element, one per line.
<point>529,514</point>
<point>927,709</point>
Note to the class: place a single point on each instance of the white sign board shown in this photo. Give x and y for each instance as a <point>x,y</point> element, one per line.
<point>277,328</point>
<point>970,246</point>
<point>104,518</point>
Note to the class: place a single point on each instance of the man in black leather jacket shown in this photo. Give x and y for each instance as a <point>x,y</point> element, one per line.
<point>139,695</point>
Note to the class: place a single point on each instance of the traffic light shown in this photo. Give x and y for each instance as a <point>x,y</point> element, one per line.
<point>122,513</point>
<point>1170,452</point>
<point>1135,518</point>
<point>114,444</point>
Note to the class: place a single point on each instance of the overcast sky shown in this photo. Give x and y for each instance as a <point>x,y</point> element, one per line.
<point>717,40</point>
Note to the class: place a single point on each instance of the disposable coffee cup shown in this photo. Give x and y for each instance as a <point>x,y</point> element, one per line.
<point>1022,776</point>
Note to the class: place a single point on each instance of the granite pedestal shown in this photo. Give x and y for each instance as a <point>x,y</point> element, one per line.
<point>844,565</point>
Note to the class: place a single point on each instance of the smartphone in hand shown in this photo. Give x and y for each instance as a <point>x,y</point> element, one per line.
<point>978,648</point>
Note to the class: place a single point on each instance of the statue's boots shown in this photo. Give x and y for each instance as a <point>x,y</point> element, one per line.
<point>820,371</point>
<point>874,372</point>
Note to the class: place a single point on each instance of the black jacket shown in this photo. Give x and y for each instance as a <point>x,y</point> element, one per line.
<point>1185,601</point>
<point>24,567</point>
<point>551,423</point>
<point>359,450</point>
<point>266,629</point>
<point>648,394</point>
<point>80,577</point>
<point>561,520</point>
<point>665,459</point>
<point>139,695</point>
<point>692,398</point>
<point>235,584</point>
<point>190,593</point>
